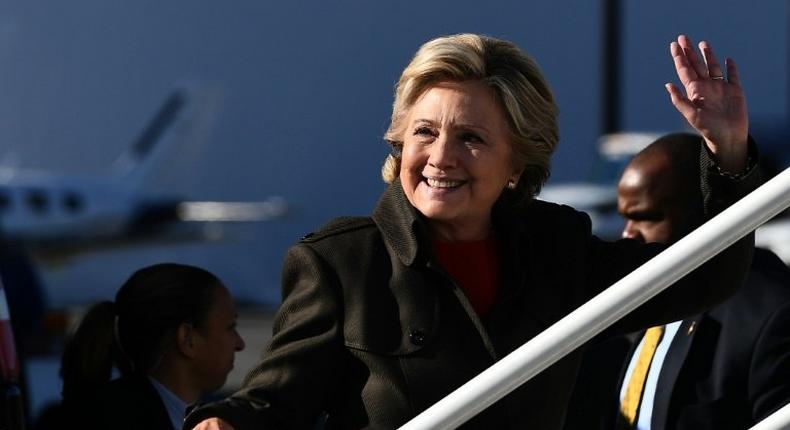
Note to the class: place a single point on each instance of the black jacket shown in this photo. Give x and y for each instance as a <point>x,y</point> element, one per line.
<point>372,331</point>
<point>728,368</point>
<point>127,403</point>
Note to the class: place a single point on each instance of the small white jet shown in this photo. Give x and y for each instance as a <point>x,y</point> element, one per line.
<point>59,215</point>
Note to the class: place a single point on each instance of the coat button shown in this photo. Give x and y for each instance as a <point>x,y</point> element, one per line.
<point>417,337</point>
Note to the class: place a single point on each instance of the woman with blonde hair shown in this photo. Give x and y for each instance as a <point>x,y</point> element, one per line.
<point>459,265</point>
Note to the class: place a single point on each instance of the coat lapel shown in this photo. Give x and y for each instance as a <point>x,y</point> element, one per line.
<point>399,224</point>
<point>670,370</point>
<point>405,235</point>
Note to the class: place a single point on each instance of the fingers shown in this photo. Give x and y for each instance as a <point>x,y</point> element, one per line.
<point>681,102</point>
<point>714,69</point>
<point>685,72</point>
<point>213,424</point>
<point>732,72</point>
<point>691,67</point>
<point>691,55</point>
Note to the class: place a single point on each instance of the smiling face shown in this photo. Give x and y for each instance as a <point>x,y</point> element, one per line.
<point>456,158</point>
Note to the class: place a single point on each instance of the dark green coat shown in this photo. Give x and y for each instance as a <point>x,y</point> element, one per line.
<point>372,331</point>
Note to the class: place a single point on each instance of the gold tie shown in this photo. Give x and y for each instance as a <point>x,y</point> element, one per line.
<point>633,394</point>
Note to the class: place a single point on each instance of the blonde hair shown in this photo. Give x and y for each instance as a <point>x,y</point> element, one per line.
<point>520,89</point>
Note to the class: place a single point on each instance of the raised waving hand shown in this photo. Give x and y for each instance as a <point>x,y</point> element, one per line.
<point>713,103</point>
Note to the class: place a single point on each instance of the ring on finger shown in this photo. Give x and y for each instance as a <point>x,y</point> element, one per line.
<point>717,78</point>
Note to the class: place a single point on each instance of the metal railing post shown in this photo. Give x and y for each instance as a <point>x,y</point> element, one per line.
<point>606,308</point>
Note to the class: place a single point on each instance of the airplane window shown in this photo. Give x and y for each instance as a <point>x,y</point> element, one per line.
<point>73,202</point>
<point>38,201</point>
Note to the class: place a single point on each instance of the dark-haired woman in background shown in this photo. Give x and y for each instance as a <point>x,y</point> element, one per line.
<point>171,332</point>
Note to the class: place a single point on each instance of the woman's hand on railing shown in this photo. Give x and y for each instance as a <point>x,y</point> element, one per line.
<point>714,104</point>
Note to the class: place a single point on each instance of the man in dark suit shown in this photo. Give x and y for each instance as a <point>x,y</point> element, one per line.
<point>727,368</point>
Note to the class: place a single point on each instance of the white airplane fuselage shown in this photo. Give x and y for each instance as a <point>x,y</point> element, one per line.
<point>42,207</point>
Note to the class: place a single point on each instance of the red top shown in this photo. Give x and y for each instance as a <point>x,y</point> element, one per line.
<point>475,268</point>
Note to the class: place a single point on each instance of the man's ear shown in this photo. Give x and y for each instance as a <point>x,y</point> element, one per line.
<point>185,339</point>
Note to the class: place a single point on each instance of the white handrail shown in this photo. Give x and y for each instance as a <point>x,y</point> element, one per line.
<point>612,304</point>
<point>779,420</point>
